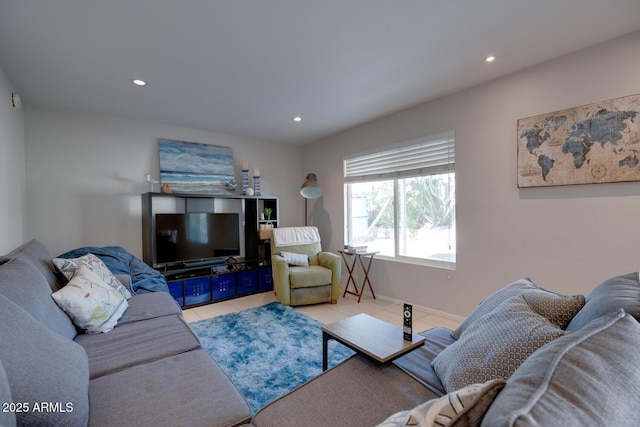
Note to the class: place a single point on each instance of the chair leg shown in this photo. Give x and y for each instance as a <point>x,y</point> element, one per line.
<point>334,301</point>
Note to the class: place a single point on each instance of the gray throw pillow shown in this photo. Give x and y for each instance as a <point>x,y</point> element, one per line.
<point>40,257</point>
<point>24,285</point>
<point>617,292</point>
<point>42,366</point>
<point>586,378</point>
<point>558,308</point>
<point>494,345</point>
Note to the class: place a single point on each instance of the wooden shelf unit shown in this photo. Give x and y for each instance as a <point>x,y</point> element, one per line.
<point>205,284</point>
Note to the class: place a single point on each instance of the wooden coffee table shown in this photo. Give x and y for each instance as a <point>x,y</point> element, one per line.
<point>379,340</point>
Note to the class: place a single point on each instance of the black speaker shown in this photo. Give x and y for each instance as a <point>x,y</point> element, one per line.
<point>408,318</point>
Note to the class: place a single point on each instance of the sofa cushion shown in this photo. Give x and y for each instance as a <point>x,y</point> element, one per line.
<point>191,390</point>
<point>304,277</point>
<point>417,363</point>
<point>462,408</point>
<point>7,414</point>
<point>43,366</point>
<point>588,377</point>
<point>25,286</point>
<point>93,305</point>
<point>617,292</point>
<point>494,345</point>
<point>149,306</point>
<point>357,392</point>
<point>40,257</point>
<point>559,309</point>
<point>137,343</point>
<point>69,266</point>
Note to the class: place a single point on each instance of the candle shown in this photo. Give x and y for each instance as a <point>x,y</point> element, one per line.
<point>256,171</point>
<point>245,165</point>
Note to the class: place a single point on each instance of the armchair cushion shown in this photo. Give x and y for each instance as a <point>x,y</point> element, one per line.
<point>304,277</point>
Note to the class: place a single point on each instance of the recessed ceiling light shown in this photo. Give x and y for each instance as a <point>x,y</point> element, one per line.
<point>139,82</point>
<point>489,59</point>
<point>297,119</point>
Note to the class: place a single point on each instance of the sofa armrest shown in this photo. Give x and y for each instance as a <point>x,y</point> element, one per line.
<point>280,271</point>
<point>334,263</point>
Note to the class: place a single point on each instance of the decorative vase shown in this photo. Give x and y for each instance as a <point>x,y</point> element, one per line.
<point>245,181</point>
<point>256,185</point>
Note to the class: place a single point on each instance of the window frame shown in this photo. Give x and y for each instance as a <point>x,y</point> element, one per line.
<point>396,177</point>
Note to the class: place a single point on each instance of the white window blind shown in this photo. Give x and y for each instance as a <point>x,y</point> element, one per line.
<point>423,156</point>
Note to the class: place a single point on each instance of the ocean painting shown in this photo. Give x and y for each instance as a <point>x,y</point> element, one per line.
<point>190,167</point>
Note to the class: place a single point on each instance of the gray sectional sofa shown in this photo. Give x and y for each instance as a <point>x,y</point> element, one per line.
<point>525,356</point>
<point>148,371</point>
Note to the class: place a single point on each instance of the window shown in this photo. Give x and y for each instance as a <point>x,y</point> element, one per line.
<point>400,201</point>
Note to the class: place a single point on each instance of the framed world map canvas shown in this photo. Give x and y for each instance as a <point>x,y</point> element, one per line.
<point>189,167</point>
<point>591,144</point>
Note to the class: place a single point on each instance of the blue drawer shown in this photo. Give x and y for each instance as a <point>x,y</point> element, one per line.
<point>197,291</point>
<point>247,282</point>
<point>175,289</point>
<point>224,286</point>
<point>265,279</point>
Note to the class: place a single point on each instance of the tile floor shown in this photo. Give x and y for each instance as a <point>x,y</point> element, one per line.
<point>327,313</point>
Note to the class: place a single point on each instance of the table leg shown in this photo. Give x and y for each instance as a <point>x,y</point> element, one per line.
<point>366,276</point>
<point>325,341</point>
<point>350,269</point>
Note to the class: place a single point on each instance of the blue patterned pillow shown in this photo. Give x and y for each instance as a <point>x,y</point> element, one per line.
<point>558,308</point>
<point>494,345</point>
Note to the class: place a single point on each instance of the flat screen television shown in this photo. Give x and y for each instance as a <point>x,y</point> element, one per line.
<point>195,237</point>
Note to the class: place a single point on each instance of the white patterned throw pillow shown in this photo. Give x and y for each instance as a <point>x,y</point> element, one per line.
<point>91,303</point>
<point>464,407</point>
<point>68,267</point>
<point>292,258</point>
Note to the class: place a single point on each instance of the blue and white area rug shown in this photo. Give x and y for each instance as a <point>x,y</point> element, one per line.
<point>267,351</point>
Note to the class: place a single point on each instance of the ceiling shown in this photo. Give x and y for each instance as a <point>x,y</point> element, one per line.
<point>247,67</point>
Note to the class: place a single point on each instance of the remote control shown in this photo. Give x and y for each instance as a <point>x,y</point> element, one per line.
<point>407,329</point>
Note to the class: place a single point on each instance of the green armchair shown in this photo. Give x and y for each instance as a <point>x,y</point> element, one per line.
<point>301,285</point>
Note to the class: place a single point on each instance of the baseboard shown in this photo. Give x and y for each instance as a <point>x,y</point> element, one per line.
<point>424,309</point>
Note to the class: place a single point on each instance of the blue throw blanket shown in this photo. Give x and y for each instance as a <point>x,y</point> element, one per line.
<point>117,259</point>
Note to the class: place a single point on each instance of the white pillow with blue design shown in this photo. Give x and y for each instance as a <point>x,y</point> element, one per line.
<point>91,303</point>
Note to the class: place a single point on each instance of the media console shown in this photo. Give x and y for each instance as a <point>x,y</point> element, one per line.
<point>204,281</point>
<point>204,286</point>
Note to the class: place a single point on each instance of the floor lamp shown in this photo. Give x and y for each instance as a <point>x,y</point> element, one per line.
<point>310,190</point>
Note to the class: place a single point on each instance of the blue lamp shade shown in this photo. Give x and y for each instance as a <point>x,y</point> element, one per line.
<point>310,188</point>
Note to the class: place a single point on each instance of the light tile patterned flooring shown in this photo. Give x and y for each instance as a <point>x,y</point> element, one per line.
<point>327,313</point>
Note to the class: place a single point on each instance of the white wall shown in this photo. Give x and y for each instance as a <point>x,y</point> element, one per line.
<point>85,174</point>
<point>12,170</point>
<point>565,238</point>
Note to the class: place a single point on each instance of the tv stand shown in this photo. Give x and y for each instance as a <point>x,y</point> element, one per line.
<point>207,281</point>
<point>203,263</point>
